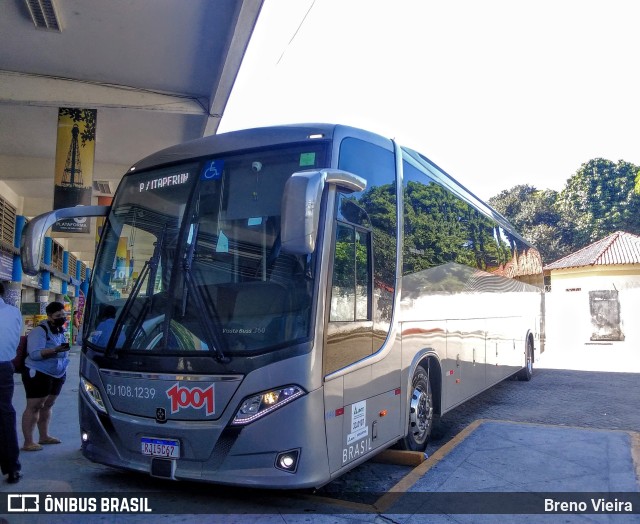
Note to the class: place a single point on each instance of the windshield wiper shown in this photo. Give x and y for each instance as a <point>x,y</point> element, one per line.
<point>149,270</point>
<point>213,340</point>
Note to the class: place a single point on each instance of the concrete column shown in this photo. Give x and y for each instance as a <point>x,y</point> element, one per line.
<point>84,287</point>
<point>46,275</point>
<point>65,270</point>
<point>78,276</point>
<point>43,298</point>
<point>16,275</point>
<point>13,294</point>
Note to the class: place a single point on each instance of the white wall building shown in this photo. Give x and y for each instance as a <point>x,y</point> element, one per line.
<point>595,294</point>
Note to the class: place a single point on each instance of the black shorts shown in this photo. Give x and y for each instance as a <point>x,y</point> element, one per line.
<point>41,385</point>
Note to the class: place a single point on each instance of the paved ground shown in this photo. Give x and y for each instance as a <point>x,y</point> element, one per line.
<point>590,396</point>
<point>567,429</point>
<point>570,388</point>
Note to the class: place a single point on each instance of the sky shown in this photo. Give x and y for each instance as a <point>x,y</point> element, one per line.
<point>496,92</point>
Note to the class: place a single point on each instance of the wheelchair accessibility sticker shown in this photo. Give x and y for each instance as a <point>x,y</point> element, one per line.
<point>212,170</point>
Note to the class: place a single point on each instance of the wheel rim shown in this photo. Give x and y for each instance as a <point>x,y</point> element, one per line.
<point>421,414</point>
<point>529,360</point>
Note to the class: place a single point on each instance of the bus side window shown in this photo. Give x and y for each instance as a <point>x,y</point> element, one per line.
<point>351,286</point>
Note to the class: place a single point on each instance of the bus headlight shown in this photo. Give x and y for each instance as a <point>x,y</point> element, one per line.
<point>259,405</point>
<point>93,394</point>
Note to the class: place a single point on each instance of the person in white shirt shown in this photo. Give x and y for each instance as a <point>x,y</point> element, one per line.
<point>11,322</point>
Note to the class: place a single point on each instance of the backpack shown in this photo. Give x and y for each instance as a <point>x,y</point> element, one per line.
<point>21,352</point>
<point>21,355</point>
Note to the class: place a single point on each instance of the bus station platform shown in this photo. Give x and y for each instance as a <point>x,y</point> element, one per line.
<point>491,471</point>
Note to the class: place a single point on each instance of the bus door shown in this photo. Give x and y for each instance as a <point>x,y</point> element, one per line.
<point>357,404</point>
<point>349,331</point>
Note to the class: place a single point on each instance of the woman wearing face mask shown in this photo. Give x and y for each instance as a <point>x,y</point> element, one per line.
<point>46,368</point>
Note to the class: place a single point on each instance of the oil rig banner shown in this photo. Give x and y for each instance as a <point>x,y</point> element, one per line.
<point>75,150</point>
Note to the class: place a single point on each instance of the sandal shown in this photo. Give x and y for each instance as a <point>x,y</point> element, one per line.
<point>50,440</point>
<point>31,447</point>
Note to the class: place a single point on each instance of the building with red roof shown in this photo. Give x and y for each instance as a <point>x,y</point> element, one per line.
<point>595,292</point>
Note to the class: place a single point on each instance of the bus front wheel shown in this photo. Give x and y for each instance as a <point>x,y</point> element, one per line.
<point>420,412</point>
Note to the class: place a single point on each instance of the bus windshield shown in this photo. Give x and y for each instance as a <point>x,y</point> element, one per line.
<point>190,260</point>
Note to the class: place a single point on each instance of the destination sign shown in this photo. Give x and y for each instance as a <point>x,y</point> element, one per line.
<point>163,181</point>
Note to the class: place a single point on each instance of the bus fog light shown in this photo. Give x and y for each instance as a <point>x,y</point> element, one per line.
<point>288,460</point>
<point>84,436</point>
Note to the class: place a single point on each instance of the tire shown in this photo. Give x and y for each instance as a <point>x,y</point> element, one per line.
<point>420,412</point>
<point>526,373</point>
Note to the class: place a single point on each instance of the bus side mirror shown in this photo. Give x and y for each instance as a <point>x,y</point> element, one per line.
<point>34,232</point>
<point>300,208</point>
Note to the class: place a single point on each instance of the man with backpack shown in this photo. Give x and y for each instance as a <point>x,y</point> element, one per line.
<point>11,322</point>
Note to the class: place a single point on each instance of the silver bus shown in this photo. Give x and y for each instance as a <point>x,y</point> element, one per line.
<point>272,307</point>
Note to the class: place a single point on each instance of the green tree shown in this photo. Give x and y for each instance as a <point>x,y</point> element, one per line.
<point>600,199</point>
<point>87,116</point>
<point>380,204</point>
<point>535,215</point>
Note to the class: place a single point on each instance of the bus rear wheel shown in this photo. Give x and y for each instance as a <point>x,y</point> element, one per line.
<point>420,412</point>
<point>527,372</point>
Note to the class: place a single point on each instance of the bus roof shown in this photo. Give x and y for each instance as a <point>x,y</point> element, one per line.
<point>237,140</point>
<point>259,137</point>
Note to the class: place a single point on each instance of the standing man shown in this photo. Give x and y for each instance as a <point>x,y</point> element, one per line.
<point>11,322</point>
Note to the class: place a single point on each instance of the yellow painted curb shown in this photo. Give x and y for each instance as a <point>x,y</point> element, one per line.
<point>388,499</point>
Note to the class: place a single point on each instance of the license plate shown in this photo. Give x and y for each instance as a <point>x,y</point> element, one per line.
<point>159,447</point>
